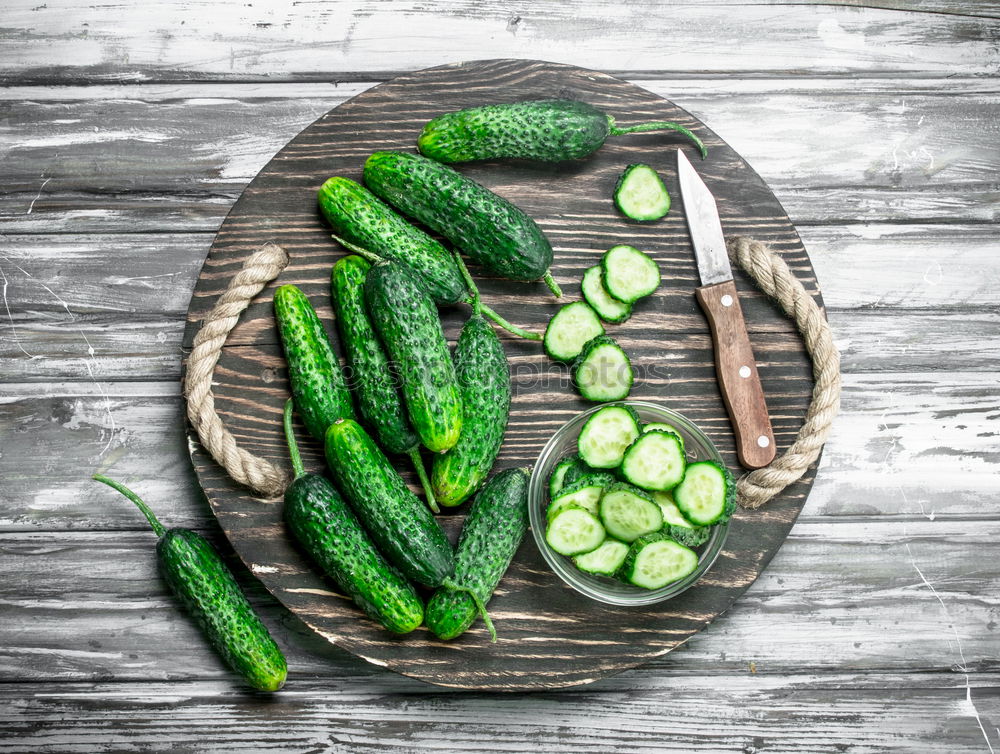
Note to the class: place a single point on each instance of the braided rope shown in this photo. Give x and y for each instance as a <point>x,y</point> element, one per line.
<point>773,276</point>
<point>263,266</point>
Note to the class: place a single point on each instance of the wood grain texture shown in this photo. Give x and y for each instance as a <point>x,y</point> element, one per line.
<point>550,636</point>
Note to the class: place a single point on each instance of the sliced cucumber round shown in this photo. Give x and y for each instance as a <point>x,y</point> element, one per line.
<point>628,513</point>
<point>606,435</point>
<point>706,495</point>
<point>664,428</point>
<point>671,515</point>
<point>605,560</point>
<point>628,274</point>
<point>569,330</point>
<point>574,531</point>
<point>608,308</point>
<point>640,194</point>
<point>655,461</point>
<point>557,479</point>
<point>602,371</point>
<point>585,493</point>
<point>656,560</point>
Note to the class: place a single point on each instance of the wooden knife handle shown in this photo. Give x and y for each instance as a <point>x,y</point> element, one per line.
<point>736,370</point>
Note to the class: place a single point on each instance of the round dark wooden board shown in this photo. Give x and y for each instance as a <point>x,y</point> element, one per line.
<point>549,636</point>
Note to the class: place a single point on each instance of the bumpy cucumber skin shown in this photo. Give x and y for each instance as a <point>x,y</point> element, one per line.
<point>692,538</point>
<point>408,326</point>
<point>360,217</point>
<point>493,530</point>
<point>379,403</point>
<point>484,378</point>
<point>401,525</point>
<point>321,521</point>
<point>546,130</point>
<point>576,472</point>
<point>195,572</point>
<point>489,229</point>
<point>318,386</point>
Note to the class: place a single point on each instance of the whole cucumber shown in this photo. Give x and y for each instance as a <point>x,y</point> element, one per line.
<point>318,385</point>
<point>364,220</point>
<point>493,530</point>
<point>408,326</point>
<point>331,534</point>
<point>486,227</point>
<point>546,130</point>
<point>199,578</point>
<point>484,379</point>
<point>402,527</point>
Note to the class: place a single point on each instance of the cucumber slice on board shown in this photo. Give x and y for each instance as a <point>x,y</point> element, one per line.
<point>606,435</point>
<point>640,194</point>
<point>706,495</point>
<point>602,371</point>
<point>605,560</point>
<point>628,513</point>
<point>656,560</point>
<point>655,461</point>
<point>585,493</point>
<point>569,330</point>
<point>628,274</point>
<point>594,293</point>
<point>574,531</point>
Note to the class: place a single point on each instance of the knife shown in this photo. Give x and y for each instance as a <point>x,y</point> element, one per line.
<point>735,366</point>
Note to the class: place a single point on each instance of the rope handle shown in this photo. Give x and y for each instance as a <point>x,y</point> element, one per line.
<point>767,269</point>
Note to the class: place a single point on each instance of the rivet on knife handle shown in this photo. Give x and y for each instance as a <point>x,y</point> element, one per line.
<point>737,374</point>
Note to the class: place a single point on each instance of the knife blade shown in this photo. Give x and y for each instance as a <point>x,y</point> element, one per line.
<point>735,365</point>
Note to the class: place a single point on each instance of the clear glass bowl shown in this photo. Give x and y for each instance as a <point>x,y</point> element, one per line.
<point>601,588</point>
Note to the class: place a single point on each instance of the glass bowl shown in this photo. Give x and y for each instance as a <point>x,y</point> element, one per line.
<point>602,588</point>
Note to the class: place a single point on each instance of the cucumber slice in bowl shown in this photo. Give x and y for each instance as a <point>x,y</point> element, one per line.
<point>676,526</point>
<point>585,493</point>
<point>662,426</point>
<point>574,531</point>
<point>569,330</point>
<point>640,194</point>
<point>602,371</point>
<point>594,293</point>
<point>605,560</point>
<point>628,274</point>
<point>606,435</point>
<point>656,560</point>
<point>655,461</point>
<point>707,494</point>
<point>629,513</point>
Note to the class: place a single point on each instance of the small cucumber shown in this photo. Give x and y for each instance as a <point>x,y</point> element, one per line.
<point>493,530</point>
<point>318,385</point>
<point>602,371</point>
<point>331,534</point>
<point>547,130</point>
<point>484,379</point>
<point>628,274</point>
<point>365,221</point>
<point>403,528</point>
<point>408,326</point>
<point>607,307</point>
<point>569,330</point>
<point>640,194</point>
<point>486,227</point>
<point>199,578</point>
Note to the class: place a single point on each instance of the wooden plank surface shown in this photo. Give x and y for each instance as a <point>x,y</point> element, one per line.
<point>911,144</point>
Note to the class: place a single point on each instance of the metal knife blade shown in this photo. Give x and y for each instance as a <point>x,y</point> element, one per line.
<point>704,224</point>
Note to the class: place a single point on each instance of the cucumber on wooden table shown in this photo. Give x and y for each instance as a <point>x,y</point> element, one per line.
<point>602,372</point>
<point>546,130</point>
<point>200,579</point>
<point>491,534</point>
<point>490,230</point>
<point>628,274</point>
<point>608,308</point>
<point>329,531</point>
<point>640,194</point>
<point>400,524</point>
<point>317,384</point>
<point>570,329</point>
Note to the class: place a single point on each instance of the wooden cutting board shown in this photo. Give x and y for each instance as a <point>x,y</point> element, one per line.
<point>549,636</point>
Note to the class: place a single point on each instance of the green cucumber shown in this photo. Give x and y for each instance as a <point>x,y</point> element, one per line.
<point>484,379</point>
<point>628,274</point>
<point>375,229</point>
<point>317,384</point>
<point>329,531</point>
<point>602,372</point>
<point>707,494</point>
<point>402,527</point>
<point>640,194</point>
<point>655,560</point>
<point>628,512</point>
<point>557,479</point>
<point>569,330</point>
<point>655,461</point>
<point>594,293</point>
<point>606,435</point>
<point>665,428</point>
<point>197,575</point>
<point>486,227</point>
<point>574,531</point>
<point>493,530</point>
<point>379,403</point>
<point>584,493</point>
<point>606,560</point>
<point>408,326</point>
<point>546,130</point>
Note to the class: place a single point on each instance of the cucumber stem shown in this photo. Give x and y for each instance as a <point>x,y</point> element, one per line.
<point>480,606</point>
<point>511,328</point>
<point>359,250</point>
<point>663,125</point>
<point>552,284</point>
<point>158,528</point>
<point>293,446</point>
<point>418,464</point>
<point>469,283</point>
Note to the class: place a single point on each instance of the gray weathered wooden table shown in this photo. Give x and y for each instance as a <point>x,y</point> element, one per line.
<point>128,130</point>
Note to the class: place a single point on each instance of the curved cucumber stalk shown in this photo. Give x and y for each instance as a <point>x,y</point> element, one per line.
<point>418,465</point>
<point>158,528</point>
<point>293,446</point>
<point>480,606</point>
<point>662,125</point>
